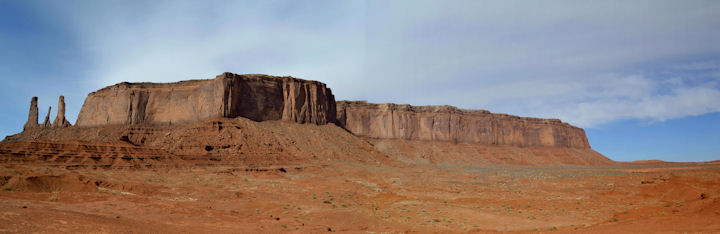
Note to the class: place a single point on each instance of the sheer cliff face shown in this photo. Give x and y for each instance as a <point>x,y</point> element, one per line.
<point>446,123</point>
<point>261,97</point>
<point>256,97</point>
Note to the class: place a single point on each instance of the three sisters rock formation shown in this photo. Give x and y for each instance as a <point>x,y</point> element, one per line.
<point>60,121</point>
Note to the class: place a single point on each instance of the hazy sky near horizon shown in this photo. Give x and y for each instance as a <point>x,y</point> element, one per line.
<point>642,77</point>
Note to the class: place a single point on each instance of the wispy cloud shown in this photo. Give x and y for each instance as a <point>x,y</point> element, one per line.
<point>679,102</point>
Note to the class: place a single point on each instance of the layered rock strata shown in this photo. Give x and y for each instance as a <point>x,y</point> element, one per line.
<point>256,97</point>
<point>447,123</point>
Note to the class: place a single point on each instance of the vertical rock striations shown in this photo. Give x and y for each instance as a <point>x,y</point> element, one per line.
<point>262,97</point>
<point>307,102</point>
<point>60,121</point>
<point>447,123</point>
<point>256,97</point>
<point>32,121</point>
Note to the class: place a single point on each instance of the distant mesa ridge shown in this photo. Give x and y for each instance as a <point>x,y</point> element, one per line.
<point>263,97</point>
<point>448,123</point>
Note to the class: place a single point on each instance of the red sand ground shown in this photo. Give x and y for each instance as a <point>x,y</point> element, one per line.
<point>360,197</point>
<point>356,185</point>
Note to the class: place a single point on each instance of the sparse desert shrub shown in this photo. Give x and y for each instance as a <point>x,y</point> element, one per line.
<point>53,197</point>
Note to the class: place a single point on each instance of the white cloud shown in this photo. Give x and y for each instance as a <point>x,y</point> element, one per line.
<point>681,103</point>
<point>630,97</point>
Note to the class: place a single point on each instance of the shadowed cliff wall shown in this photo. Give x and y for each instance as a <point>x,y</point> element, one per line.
<point>447,123</point>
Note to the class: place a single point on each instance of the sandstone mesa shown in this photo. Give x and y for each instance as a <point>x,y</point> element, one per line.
<point>149,113</point>
<point>448,123</point>
<point>263,97</point>
<point>256,97</point>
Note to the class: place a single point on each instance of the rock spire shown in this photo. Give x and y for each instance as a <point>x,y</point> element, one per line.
<point>46,123</point>
<point>32,121</point>
<point>60,121</point>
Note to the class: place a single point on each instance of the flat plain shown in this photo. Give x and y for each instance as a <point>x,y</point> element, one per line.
<point>362,197</point>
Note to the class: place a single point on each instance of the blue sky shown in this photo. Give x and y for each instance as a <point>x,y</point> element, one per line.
<point>642,77</point>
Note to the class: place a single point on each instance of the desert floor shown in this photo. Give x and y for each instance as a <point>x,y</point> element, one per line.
<point>362,198</point>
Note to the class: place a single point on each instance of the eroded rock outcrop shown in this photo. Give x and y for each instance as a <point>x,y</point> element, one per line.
<point>60,121</point>
<point>447,123</point>
<point>32,121</point>
<point>256,97</point>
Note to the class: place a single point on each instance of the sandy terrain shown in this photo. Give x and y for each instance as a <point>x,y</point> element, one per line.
<point>362,197</point>
<point>237,175</point>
